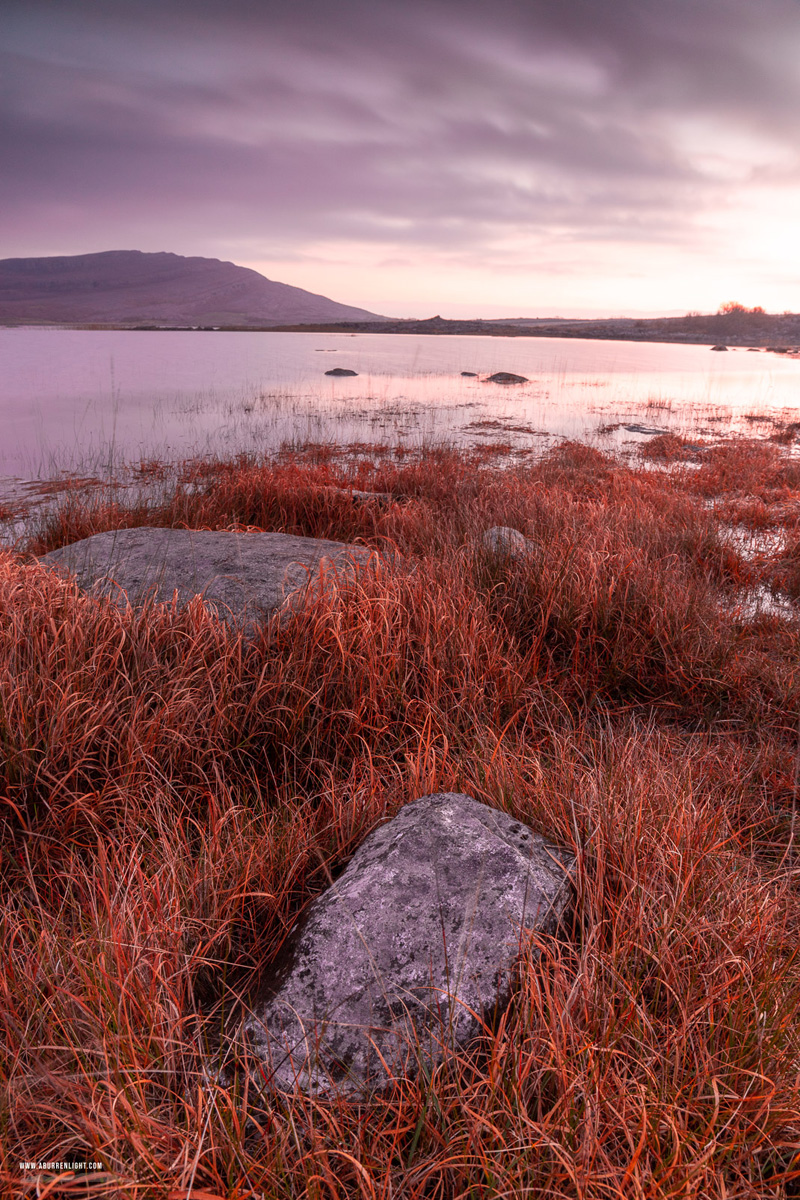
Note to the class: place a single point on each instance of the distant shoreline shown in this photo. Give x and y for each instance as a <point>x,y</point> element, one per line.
<point>763,331</point>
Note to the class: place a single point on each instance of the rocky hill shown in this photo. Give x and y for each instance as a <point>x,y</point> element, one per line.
<point>129,287</point>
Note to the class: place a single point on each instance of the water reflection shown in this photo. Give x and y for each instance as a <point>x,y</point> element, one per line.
<point>91,400</point>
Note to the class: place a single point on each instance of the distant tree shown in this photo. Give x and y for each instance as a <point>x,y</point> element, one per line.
<point>733,306</point>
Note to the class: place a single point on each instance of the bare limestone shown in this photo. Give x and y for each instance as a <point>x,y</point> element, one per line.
<point>244,575</point>
<point>406,950</point>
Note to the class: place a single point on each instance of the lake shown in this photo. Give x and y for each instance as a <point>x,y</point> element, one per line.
<point>75,400</point>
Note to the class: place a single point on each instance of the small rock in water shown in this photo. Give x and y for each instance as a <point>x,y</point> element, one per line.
<point>649,430</point>
<point>407,950</point>
<point>506,377</point>
<point>719,347</point>
<point>470,374</point>
<point>341,371</point>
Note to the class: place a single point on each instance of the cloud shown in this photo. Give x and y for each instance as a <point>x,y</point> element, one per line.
<point>449,126</point>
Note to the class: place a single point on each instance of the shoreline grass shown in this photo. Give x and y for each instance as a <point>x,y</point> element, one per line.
<point>174,794</point>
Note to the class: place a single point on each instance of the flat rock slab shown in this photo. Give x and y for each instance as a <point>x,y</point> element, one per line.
<point>415,941</point>
<point>243,574</point>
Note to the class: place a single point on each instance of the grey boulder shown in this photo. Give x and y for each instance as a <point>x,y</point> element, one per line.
<point>406,951</point>
<point>341,371</point>
<point>504,542</point>
<point>245,575</point>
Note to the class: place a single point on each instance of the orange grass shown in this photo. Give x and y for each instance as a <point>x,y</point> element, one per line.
<point>175,794</point>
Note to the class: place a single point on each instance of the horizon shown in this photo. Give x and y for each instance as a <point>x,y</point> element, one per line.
<point>468,315</point>
<point>531,162</point>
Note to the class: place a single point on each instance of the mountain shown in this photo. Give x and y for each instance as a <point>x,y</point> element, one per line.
<point>128,287</point>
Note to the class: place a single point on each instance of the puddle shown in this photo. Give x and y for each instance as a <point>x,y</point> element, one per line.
<point>753,543</point>
<point>759,601</point>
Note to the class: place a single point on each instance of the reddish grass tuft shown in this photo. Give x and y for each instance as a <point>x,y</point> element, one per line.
<point>668,447</point>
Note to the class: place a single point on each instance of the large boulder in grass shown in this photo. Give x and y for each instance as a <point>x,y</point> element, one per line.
<point>407,951</point>
<point>244,575</point>
<point>502,541</point>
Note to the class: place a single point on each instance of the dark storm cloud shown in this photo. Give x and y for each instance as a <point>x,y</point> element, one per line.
<point>456,125</point>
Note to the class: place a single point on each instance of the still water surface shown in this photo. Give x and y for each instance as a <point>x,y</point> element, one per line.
<point>90,400</point>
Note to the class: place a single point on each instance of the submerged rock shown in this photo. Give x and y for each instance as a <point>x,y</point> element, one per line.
<point>506,377</point>
<point>406,950</point>
<point>470,374</point>
<point>244,574</point>
<point>719,347</point>
<point>341,371</point>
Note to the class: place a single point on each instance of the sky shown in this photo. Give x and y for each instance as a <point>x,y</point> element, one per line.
<point>467,158</point>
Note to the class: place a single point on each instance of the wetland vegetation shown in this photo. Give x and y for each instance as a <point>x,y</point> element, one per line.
<point>174,794</point>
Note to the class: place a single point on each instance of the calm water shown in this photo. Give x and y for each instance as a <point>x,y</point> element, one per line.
<point>86,400</point>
